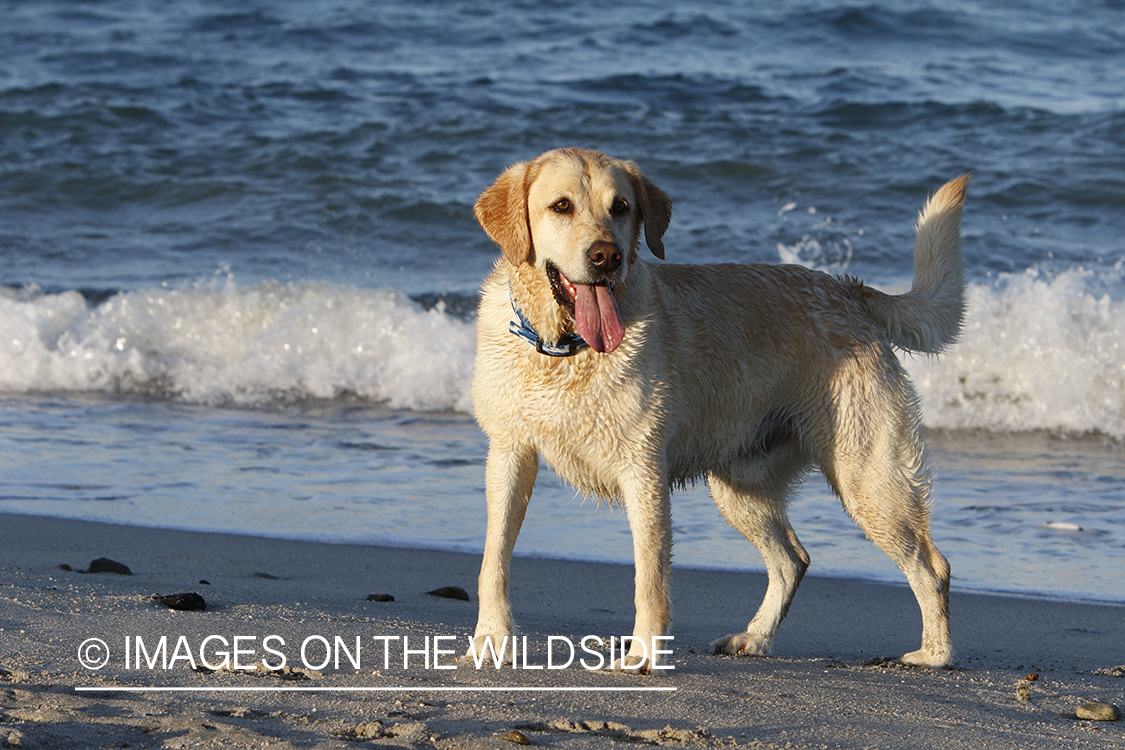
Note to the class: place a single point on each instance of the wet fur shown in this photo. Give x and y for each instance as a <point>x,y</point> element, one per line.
<point>746,375</point>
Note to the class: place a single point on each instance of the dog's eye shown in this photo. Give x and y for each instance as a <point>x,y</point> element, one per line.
<point>619,207</point>
<point>562,206</point>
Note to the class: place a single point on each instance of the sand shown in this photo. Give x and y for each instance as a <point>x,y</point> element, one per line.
<point>831,681</point>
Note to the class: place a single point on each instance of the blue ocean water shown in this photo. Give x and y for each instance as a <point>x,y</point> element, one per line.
<point>238,262</point>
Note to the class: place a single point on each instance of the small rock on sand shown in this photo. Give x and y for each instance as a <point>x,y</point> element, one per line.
<point>369,730</point>
<point>1023,687</point>
<point>1098,711</point>
<point>105,565</point>
<point>450,592</point>
<point>1118,671</point>
<point>187,602</point>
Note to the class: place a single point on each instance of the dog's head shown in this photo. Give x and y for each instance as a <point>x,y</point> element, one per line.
<point>575,217</point>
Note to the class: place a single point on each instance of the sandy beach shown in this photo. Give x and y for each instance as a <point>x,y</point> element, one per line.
<point>290,653</point>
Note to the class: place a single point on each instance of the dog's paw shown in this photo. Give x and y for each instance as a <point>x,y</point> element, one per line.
<point>488,651</point>
<point>632,665</point>
<point>925,658</point>
<point>742,644</point>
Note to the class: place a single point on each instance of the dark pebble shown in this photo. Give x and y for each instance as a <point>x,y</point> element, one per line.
<point>188,602</point>
<point>267,576</point>
<point>204,582</point>
<point>450,592</point>
<point>105,565</point>
<point>380,598</point>
<point>64,566</point>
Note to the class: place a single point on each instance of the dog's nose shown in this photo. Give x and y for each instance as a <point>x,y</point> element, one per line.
<point>606,256</point>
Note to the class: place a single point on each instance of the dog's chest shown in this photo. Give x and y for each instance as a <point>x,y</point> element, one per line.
<point>588,416</point>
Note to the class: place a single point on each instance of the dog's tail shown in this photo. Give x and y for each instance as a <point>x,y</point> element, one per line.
<point>928,317</point>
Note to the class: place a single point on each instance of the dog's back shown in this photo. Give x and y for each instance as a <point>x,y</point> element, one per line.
<point>767,342</point>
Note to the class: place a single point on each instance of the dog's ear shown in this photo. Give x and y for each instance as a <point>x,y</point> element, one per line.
<point>656,210</point>
<point>501,211</point>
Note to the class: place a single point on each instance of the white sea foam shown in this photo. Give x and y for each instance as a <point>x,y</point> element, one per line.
<point>1038,352</point>
<point>224,344</point>
<point>831,257</point>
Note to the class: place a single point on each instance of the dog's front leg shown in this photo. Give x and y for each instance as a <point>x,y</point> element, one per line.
<point>509,478</point>
<point>648,505</point>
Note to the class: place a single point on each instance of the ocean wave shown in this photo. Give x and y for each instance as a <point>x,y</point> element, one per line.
<point>219,344</point>
<point>1039,351</point>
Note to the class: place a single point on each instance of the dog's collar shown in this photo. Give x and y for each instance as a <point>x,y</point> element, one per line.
<point>567,346</point>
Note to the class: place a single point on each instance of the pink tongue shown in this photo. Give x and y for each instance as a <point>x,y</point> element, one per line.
<point>596,317</point>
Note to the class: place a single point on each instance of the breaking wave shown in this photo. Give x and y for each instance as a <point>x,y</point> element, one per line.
<point>1039,351</point>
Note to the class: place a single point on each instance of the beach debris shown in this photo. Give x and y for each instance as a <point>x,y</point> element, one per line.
<point>291,674</point>
<point>101,565</point>
<point>1023,687</point>
<point>262,669</point>
<point>186,602</point>
<point>1118,671</point>
<point>1063,526</point>
<point>1098,711</point>
<point>376,730</point>
<point>616,730</point>
<point>380,598</point>
<point>517,737</point>
<point>105,565</point>
<point>367,730</point>
<point>238,712</point>
<point>14,675</point>
<point>451,592</point>
<point>890,662</point>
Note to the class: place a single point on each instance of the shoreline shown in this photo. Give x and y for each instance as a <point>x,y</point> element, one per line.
<point>831,680</point>
<point>829,575</point>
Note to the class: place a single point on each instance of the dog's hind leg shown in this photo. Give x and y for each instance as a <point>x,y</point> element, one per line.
<point>880,475</point>
<point>754,502</point>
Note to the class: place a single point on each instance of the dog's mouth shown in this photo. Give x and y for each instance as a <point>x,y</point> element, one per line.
<point>593,309</point>
<point>563,296</point>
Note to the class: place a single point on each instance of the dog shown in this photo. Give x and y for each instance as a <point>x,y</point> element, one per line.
<point>631,378</point>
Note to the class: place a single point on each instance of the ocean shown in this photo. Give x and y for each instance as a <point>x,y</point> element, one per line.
<point>239,265</point>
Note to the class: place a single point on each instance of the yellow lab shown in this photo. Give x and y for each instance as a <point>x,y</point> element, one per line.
<point>630,378</point>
